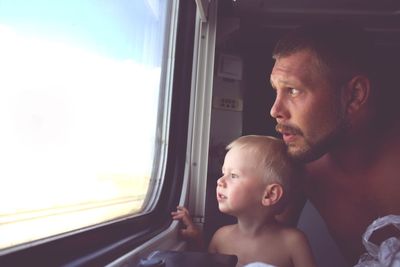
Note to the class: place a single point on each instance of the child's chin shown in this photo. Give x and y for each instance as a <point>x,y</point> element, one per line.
<point>225,210</point>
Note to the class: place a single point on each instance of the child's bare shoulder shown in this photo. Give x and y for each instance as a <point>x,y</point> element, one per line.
<point>226,230</point>
<point>221,238</point>
<point>296,245</point>
<point>292,235</point>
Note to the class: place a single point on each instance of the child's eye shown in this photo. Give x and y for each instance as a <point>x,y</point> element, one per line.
<point>233,175</point>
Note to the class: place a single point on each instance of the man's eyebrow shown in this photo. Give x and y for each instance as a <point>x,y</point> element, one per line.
<point>272,84</point>
<point>281,83</point>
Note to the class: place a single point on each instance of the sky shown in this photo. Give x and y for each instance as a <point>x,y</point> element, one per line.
<point>109,27</point>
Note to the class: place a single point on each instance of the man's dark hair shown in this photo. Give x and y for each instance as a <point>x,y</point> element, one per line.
<point>342,50</point>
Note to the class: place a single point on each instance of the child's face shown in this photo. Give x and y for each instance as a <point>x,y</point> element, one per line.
<point>241,187</point>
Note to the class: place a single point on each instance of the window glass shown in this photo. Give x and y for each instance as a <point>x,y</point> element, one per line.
<point>79,95</point>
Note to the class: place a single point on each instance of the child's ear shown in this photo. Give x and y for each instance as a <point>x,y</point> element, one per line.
<point>272,194</point>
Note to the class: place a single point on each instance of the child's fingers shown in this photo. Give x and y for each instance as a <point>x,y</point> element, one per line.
<point>187,221</point>
<point>183,215</point>
<point>182,209</point>
<point>173,213</point>
<point>179,212</point>
<point>178,216</point>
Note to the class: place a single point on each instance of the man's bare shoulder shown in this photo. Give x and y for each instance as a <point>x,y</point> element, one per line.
<point>369,173</point>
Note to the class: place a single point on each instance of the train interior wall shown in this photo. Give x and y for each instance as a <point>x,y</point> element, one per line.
<point>248,82</point>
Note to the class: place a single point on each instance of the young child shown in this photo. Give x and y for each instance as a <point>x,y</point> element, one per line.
<point>254,187</point>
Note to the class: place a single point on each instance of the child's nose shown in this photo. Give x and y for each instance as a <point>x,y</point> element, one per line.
<point>221,181</point>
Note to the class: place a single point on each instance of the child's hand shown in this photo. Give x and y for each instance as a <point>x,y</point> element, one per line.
<point>190,230</point>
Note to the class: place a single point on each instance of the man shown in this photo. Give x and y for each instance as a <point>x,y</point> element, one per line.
<point>326,109</point>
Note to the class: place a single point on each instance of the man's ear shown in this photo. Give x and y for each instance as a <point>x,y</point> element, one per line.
<point>272,194</point>
<point>357,93</point>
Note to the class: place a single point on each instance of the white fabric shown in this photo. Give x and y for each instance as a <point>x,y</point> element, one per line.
<point>388,253</point>
<point>258,264</point>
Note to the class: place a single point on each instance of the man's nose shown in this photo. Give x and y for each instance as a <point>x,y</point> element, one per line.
<point>278,109</point>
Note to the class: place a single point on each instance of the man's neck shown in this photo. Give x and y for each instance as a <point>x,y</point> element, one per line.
<point>357,149</point>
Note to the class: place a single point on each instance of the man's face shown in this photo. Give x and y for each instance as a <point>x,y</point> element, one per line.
<point>308,110</point>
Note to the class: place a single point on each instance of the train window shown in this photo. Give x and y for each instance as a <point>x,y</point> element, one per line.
<point>84,104</point>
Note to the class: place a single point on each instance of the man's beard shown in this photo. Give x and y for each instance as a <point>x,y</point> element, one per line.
<point>310,150</point>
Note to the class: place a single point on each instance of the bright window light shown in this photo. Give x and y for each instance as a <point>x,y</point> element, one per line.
<point>79,94</point>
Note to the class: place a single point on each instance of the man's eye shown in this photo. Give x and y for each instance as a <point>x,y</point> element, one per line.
<point>293,91</point>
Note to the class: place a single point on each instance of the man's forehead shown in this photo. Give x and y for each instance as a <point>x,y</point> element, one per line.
<point>295,68</point>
